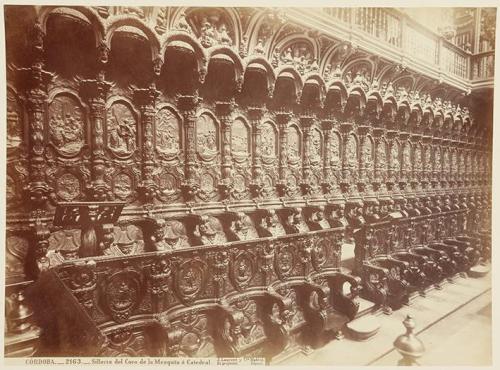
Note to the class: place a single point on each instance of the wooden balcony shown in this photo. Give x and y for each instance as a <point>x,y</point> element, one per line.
<point>403,40</point>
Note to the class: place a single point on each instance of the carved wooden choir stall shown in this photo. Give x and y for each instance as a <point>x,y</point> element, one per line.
<point>181,182</point>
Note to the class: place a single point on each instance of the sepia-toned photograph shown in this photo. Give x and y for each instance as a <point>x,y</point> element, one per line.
<point>284,185</point>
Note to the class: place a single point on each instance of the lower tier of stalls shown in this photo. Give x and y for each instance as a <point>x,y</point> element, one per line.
<point>268,281</point>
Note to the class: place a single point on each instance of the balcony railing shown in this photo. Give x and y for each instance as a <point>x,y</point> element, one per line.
<point>416,41</point>
<point>483,65</point>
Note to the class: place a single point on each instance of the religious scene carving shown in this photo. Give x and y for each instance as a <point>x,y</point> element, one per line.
<point>121,129</point>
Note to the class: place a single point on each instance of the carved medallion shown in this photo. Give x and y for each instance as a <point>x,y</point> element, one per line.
<point>190,279</point>
<point>207,183</point>
<point>239,183</point>
<point>122,185</point>
<point>66,125</point>
<point>167,132</point>
<point>122,294</point>
<point>284,261</point>
<point>14,121</point>
<point>121,129</point>
<point>67,187</point>
<point>320,252</point>
<point>242,269</point>
<point>168,183</point>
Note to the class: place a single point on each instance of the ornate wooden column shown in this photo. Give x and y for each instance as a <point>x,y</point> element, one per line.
<point>283,118</point>
<point>188,105</point>
<point>417,162</point>
<point>36,80</point>
<point>403,176</point>
<point>378,176</point>
<point>426,163</point>
<point>224,111</point>
<point>436,172</point>
<point>362,179</point>
<point>146,99</point>
<point>306,121</point>
<point>445,174</point>
<point>392,177</point>
<point>328,182</point>
<point>345,131</point>
<point>95,92</point>
<point>255,114</point>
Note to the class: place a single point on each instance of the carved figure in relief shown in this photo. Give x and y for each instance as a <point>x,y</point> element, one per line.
<point>381,155</point>
<point>67,187</point>
<point>223,36</point>
<point>268,141</point>
<point>314,154</point>
<point>121,129</point>
<point>394,157</point>
<point>171,235</point>
<point>270,224</point>
<point>207,37</point>
<point>351,152</point>
<point>293,150</point>
<point>65,125</point>
<point>335,152</point>
<point>367,154</point>
<point>206,135</point>
<point>206,232</point>
<point>239,138</point>
<point>406,158</point>
<point>167,132</point>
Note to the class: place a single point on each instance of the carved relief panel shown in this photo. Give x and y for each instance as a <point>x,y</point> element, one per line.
<point>335,155</point>
<point>368,160</point>
<point>168,144</point>
<point>351,157</point>
<point>294,155</point>
<point>269,153</point>
<point>240,152</point>
<point>123,170</point>
<point>207,147</point>
<point>382,158</point>
<point>417,160</point>
<point>121,129</point>
<point>437,162</point>
<point>406,159</point>
<point>68,157</point>
<point>315,158</point>
<point>66,125</point>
